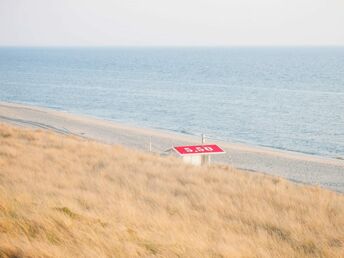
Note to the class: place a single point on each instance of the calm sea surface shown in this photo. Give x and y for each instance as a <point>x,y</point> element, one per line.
<point>286,98</point>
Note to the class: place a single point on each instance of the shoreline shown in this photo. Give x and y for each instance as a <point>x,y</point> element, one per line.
<point>296,166</point>
<point>175,134</point>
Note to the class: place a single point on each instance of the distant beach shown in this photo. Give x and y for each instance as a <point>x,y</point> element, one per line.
<point>288,98</point>
<point>302,168</point>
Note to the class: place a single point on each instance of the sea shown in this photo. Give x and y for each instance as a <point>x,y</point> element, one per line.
<point>289,98</point>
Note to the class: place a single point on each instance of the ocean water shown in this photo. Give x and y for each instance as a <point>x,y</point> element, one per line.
<point>285,98</point>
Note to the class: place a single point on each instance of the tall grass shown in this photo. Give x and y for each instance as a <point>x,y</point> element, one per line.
<point>67,197</point>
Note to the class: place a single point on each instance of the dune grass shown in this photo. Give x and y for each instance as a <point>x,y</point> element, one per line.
<point>67,197</point>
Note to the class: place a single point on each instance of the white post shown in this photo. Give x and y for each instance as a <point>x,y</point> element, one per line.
<point>205,158</point>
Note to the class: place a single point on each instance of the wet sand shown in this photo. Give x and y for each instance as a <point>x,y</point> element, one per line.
<point>298,167</point>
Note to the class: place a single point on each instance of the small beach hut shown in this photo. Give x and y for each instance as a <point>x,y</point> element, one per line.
<point>196,154</point>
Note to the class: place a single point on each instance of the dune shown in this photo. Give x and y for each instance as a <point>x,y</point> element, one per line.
<point>67,196</point>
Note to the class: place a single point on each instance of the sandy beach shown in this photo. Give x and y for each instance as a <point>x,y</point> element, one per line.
<point>302,168</point>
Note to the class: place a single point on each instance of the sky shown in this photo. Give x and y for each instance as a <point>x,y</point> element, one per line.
<point>171,22</point>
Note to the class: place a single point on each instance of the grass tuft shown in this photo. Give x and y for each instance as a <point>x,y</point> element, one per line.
<point>67,212</point>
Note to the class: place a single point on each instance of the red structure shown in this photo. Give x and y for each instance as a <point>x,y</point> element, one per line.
<point>198,149</point>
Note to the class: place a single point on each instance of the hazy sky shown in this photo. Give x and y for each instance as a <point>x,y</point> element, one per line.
<point>171,22</point>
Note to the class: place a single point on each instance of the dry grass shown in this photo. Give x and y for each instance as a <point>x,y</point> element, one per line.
<point>66,197</point>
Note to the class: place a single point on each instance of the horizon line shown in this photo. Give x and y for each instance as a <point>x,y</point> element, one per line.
<point>171,46</point>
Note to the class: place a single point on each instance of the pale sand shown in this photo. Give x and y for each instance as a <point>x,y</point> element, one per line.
<point>309,169</point>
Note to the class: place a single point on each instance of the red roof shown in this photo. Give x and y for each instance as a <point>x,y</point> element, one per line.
<point>198,149</point>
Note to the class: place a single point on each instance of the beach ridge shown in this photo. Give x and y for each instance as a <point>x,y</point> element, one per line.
<point>298,167</point>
